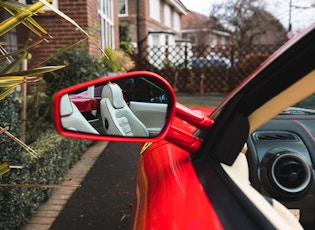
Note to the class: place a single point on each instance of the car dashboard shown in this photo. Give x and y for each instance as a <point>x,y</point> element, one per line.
<point>281,157</point>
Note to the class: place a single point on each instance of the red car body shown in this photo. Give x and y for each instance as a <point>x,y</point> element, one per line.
<point>167,183</point>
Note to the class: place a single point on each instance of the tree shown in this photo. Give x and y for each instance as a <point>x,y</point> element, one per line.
<point>245,21</point>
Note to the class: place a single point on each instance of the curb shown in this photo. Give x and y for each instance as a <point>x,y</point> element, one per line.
<point>47,212</point>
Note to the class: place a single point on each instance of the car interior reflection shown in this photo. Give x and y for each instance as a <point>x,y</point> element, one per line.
<point>115,111</point>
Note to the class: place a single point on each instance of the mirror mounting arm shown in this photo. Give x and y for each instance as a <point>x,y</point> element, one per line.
<point>194,118</point>
<point>183,140</point>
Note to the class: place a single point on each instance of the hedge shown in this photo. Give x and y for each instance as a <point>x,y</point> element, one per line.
<point>56,155</point>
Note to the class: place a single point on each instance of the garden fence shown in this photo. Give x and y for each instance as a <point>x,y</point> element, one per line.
<point>203,69</point>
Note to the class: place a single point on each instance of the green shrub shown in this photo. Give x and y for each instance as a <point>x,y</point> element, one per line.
<point>80,67</point>
<point>56,155</point>
<point>115,61</point>
<point>109,63</point>
<point>9,150</point>
<point>38,115</point>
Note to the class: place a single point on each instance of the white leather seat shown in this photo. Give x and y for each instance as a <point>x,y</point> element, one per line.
<point>71,117</point>
<point>117,117</point>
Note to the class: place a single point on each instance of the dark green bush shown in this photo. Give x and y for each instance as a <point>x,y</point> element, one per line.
<point>9,150</point>
<point>56,156</point>
<point>80,67</point>
<point>38,114</point>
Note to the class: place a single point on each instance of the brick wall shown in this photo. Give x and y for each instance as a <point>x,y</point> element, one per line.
<point>84,12</point>
<point>131,19</point>
<point>93,20</point>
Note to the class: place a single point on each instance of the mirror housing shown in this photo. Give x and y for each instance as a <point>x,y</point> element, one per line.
<point>111,108</point>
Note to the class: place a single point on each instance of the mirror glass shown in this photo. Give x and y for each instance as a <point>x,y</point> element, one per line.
<point>133,107</point>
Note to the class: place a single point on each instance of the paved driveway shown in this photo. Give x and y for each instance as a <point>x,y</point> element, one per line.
<point>102,201</point>
<point>205,100</point>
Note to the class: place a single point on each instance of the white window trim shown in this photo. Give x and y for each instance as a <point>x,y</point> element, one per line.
<point>54,3</point>
<point>154,10</point>
<point>125,14</point>
<point>176,18</point>
<point>167,16</point>
<point>107,25</point>
<point>213,40</point>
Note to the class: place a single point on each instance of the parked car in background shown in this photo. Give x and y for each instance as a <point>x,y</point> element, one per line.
<point>247,164</point>
<point>213,59</point>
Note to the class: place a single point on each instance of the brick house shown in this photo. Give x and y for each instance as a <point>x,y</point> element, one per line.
<point>96,16</point>
<point>195,29</point>
<point>152,22</point>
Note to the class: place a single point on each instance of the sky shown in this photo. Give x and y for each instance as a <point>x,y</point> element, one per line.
<point>301,13</point>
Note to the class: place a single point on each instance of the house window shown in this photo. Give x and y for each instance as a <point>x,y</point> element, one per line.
<point>54,3</point>
<point>213,40</point>
<point>192,38</point>
<point>106,23</point>
<point>167,15</point>
<point>155,40</point>
<point>223,41</point>
<point>155,9</point>
<point>176,21</point>
<point>123,7</point>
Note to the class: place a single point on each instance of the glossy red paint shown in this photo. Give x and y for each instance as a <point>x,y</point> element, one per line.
<point>183,139</point>
<point>186,122</point>
<point>169,194</point>
<point>85,104</point>
<point>195,117</point>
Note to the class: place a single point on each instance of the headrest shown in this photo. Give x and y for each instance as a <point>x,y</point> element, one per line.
<point>65,106</point>
<point>114,93</point>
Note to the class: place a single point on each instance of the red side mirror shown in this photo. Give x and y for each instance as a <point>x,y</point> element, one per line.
<point>97,109</point>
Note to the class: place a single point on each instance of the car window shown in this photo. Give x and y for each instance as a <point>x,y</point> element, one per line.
<point>142,90</point>
<point>308,103</point>
<point>304,107</point>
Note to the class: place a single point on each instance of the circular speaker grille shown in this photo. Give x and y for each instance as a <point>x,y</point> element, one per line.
<point>290,173</point>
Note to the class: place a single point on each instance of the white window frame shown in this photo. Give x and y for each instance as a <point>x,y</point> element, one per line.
<point>167,15</point>
<point>176,21</point>
<point>156,40</point>
<point>154,10</point>
<point>223,40</point>
<point>54,3</point>
<point>126,8</point>
<point>213,40</point>
<point>105,12</point>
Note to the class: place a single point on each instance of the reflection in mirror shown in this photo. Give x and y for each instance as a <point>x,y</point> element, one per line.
<point>134,107</point>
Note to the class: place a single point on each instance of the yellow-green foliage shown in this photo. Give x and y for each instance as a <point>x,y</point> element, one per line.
<point>115,61</point>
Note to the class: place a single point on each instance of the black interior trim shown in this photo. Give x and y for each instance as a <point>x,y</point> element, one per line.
<point>227,199</point>
<point>258,156</point>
